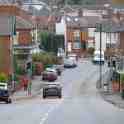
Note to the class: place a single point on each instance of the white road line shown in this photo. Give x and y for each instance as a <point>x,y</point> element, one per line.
<point>49,111</point>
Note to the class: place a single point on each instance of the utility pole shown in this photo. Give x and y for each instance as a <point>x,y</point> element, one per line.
<point>13,33</point>
<point>100,55</point>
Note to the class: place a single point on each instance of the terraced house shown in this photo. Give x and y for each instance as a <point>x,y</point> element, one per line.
<point>16,30</point>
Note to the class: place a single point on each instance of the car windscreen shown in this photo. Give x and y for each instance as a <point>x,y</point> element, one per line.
<point>98,55</point>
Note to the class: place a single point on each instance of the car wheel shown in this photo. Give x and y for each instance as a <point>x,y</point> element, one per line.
<point>60,95</point>
<point>59,73</point>
<point>8,101</point>
<point>43,79</point>
<point>44,95</point>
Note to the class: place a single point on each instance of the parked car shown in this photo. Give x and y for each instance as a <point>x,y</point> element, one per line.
<point>52,89</point>
<point>73,56</point>
<point>70,63</point>
<point>51,69</point>
<point>49,76</point>
<point>58,68</point>
<point>97,59</point>
<point>4,93</point>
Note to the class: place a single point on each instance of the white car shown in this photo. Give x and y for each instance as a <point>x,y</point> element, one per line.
<point>4,93</point>
<point>97,58</point>
<point>51,70</point>
<point>70,63</point>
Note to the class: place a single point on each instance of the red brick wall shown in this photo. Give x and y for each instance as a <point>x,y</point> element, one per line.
<point>122,40</point>
<point>8,9</point>
<point>83,35</point>
<point>5,58</point>
<point>25,37</point>
<point>14,10</point>
<point>83,38</point>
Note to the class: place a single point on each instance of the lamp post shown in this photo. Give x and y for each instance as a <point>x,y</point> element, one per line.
<point>13,33</point>
<point>100,55</point>
<point>99,26</point>
<point>65,33</point>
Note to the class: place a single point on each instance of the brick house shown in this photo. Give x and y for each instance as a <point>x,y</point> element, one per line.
<point>118,18</point>
<point>45,23</point>
<point>79,36</point>
<point>23,31</point>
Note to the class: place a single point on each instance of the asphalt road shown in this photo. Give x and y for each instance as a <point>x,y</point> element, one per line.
<point>81,103</point>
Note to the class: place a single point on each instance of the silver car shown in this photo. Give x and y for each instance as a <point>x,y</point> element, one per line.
<point>52,89</point>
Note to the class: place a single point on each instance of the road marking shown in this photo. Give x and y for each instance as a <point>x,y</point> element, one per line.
<point>49,111</point>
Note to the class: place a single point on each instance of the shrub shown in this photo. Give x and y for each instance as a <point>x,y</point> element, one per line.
<point>3,77</point>
<point>20,70</point>
<point>45,58</point>
<point>122,78</point>
<point>91,50</point>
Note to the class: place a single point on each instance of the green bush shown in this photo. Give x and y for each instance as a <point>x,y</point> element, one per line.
<point>20,70</point>
<point>3,77</point>
<point>90,50</point>
<point>45,58</point>
<point>122,78</point>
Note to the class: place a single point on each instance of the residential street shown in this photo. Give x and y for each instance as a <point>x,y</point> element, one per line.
<point>81,102</point>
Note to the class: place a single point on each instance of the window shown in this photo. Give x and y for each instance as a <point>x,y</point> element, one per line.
<point>77,36</point>
<point>77,44</point>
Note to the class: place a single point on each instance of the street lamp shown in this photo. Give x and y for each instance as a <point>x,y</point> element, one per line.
<point>99,26</point>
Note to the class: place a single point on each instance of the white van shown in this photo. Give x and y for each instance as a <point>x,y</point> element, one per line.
<point>96,57</point>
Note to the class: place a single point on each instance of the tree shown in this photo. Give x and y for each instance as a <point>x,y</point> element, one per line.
<point>79,2</point>
<point>74,1</point>
<point>50,42</point>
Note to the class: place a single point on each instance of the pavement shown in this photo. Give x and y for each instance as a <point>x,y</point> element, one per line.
<point>35,90</point>
<point>108,95</point>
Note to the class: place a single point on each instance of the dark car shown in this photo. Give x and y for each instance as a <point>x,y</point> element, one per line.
<point>49,76</point>
<point>52,89</point>
<point>4,93</point>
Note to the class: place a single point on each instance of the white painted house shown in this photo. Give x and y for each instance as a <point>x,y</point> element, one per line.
<point>107,40</point>
<point>60,27</point>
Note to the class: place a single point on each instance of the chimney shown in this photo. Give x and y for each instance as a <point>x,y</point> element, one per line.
<point>19,2</point>
<point>80,12</point>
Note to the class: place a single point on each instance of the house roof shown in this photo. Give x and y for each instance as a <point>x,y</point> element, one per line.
<point>87,21</point>
<point>111,27</point>
<point>40,20</point>
<point>45,20</point>
<point>23,24</point>
<point>119,28</point>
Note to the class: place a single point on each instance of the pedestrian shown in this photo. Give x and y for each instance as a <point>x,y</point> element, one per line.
<point>29,74</point>
<point>29,87</point>
<point>25,84</point>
